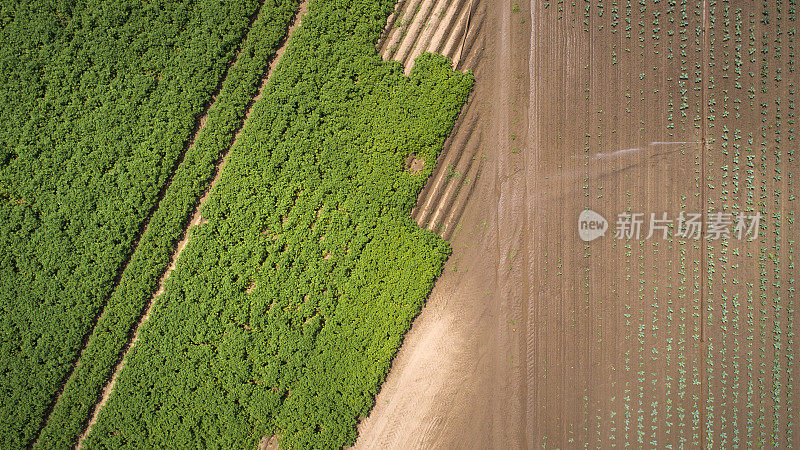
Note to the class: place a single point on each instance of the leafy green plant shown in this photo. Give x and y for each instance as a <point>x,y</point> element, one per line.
<point>140,278</point>
<point>286,307</point>
<point>100,100</point>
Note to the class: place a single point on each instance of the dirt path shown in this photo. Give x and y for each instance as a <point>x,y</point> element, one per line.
<point>196,220</point>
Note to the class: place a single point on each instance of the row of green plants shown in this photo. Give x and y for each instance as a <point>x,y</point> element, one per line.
<point>729,73</point>
<point>141,276</point>
<point>287,306</point>
<point>99,99</point>
<point>749,306</point>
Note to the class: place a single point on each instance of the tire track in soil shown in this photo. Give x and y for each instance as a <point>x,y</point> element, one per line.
<point>532,168</point>
<point>512,235</point>
<point>196,220</point>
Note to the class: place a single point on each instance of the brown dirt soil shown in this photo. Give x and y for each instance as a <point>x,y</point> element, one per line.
<point>533,338</point>
<point>414,164</point>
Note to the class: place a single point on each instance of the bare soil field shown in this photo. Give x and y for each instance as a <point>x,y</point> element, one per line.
<point>534,338</point>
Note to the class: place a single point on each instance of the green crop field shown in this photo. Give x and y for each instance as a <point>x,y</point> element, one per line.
<point>138,281</point>
<point>99,100</point>
<point>286,307</point>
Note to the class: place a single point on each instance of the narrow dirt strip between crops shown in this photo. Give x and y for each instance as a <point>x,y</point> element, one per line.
<point>198,125</point>
<point>196,220</point>
<point>703,269</point>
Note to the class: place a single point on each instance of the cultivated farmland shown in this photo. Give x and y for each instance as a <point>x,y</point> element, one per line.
<point>101,100</point>
<point>287,304</point>
<point>221,220</point>
<point>534,338</point>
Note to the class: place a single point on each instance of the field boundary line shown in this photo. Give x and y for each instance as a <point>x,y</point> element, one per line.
<point>196,220</point>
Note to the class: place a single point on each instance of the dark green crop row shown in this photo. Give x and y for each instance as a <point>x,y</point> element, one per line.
<point>140,278</point>
<point>287,306</point>
<point>99,100</point>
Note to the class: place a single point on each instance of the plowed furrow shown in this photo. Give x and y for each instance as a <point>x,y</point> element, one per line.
<point>459,204</point>
<point>474,28</point>
<point>450,21</point>
<point>411,39</point>
<point>401,25</point>
<point>455,37</point>
<point>456,179</point>
<point>440,179</point>
<point>423,196</point>
<point>391,21</point>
